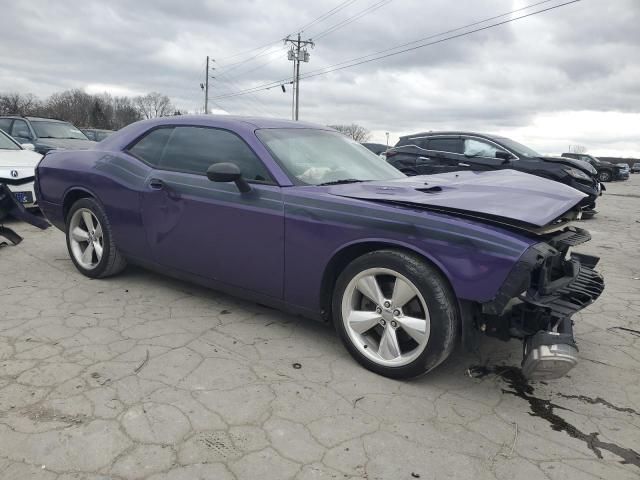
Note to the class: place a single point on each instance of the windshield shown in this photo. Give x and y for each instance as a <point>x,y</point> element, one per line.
<point>6,143</point>
<point>316,157</point>
<point>518,148</point>
<point>57,130</point>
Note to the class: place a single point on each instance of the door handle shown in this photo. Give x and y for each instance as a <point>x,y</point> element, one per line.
<point>463,164</point>
<point>156,184</point>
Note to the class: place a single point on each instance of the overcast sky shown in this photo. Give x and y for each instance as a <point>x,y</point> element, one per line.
<point>568,76</point>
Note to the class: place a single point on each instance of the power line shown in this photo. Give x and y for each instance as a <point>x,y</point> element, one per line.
<point>326,15</point>
<point>232,66</point>
<point>250,100</point>
<point>353,18</point>
<point>465,27</point>
<point>250,50</point>
<point>264,48</point>
<point>354,62</point>
<point>329,69</point>
<point>279,52</point>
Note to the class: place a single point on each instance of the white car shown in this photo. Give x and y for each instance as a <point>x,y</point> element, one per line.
<point>17,169</point>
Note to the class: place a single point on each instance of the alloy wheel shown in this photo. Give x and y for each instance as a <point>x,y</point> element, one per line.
<point>86,238</point>
<point>386,317</point>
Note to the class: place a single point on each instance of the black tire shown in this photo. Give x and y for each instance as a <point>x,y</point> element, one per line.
<point>605,176</point>
<point>440,300</point>
<point>112,261</point>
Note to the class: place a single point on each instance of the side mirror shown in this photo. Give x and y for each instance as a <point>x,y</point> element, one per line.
<point>506,156</point>
<point>228,172</point>
<point>28,146</point>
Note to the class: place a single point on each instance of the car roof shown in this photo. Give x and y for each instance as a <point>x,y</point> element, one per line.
<point>374,144</point>
<point>233,120</point>
<point>33,119</point>
<point>450,132</point>
<point>41,119</point>
<point>125,135</point>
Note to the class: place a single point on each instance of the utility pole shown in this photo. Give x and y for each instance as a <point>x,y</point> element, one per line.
<point>206,88</point>
<point>298,53</point>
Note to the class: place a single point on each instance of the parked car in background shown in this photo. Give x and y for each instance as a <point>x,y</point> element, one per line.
<point>438,152</point>
<point>17,170</point>
<point>44,134</point>
<point>96,134</point>
<point>377,148</point>
<point>299,217</point>
<point>626,170</point>
<point>607,171</point>
<point>635,168</point>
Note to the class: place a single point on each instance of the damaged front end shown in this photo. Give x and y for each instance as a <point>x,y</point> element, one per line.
<point>544,289</point>
<point>9,206</point>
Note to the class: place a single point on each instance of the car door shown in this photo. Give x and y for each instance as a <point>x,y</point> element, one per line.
<point>479,154</point>
<point>211,229</point>
<point>441,154</point>
<point>20,131</point>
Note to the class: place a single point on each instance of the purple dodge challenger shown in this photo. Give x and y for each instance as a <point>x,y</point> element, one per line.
<point>299,217</point>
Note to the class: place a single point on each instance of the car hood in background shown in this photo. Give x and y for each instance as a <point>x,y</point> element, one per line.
<point>586,167</point>
<point>502,194</point>
<point>18,158</point>
<point>18,166</point>
<point>65,143</point>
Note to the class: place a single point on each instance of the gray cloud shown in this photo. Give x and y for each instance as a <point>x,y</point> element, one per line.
<point>577,58</point>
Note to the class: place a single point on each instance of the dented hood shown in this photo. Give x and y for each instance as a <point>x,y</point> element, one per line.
<point>502,194</point>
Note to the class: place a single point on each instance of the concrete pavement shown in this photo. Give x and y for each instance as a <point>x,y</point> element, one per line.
<point>143,376</point>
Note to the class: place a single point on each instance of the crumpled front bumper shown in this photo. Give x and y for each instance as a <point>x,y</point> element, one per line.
<point>545,288</point>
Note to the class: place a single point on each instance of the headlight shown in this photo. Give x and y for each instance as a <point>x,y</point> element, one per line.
<point>579,174</point>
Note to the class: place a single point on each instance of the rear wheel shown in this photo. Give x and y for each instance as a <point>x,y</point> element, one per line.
<point>90,242</point>
<point>395,313</point>
<point>605,176</point>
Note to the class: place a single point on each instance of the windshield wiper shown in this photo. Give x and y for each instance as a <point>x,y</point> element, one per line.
<point>340,182</point>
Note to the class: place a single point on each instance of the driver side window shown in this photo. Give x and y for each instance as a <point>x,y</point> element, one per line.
<point>479,148</point>
<point>20,129</point>
<point>195,149</point>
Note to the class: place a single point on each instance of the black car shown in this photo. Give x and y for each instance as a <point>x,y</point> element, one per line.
<point>376,148</point>
<point>635,168</point>
<point>438,152</point>
<point>96,134</point>
<point>607,171</point>
<point>44,134</point>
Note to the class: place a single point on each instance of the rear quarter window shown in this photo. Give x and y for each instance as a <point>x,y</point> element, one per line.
<point>451,145</point>
<point>150,148</point>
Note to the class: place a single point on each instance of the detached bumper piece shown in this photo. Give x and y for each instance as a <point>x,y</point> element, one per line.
<point>538,299</point>
<point>10,206</point>
<point>549,355</point>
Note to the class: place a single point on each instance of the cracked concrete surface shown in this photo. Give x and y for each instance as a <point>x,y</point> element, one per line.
<point>142,376</point>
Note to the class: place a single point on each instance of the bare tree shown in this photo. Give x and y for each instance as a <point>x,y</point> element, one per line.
<point>124,112</point>
<point>357,132</point>
<point>87,110</point>
<point>153,105</point>
<point>19,104</point>
<point>73,106</point>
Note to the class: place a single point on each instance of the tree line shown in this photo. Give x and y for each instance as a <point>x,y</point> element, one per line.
<point>103,110</point>
<point>89,110</point>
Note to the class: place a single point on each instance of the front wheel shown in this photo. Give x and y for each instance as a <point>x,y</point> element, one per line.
<point>605,176</point>
<point>90,241</point>
<point>395,313</point>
